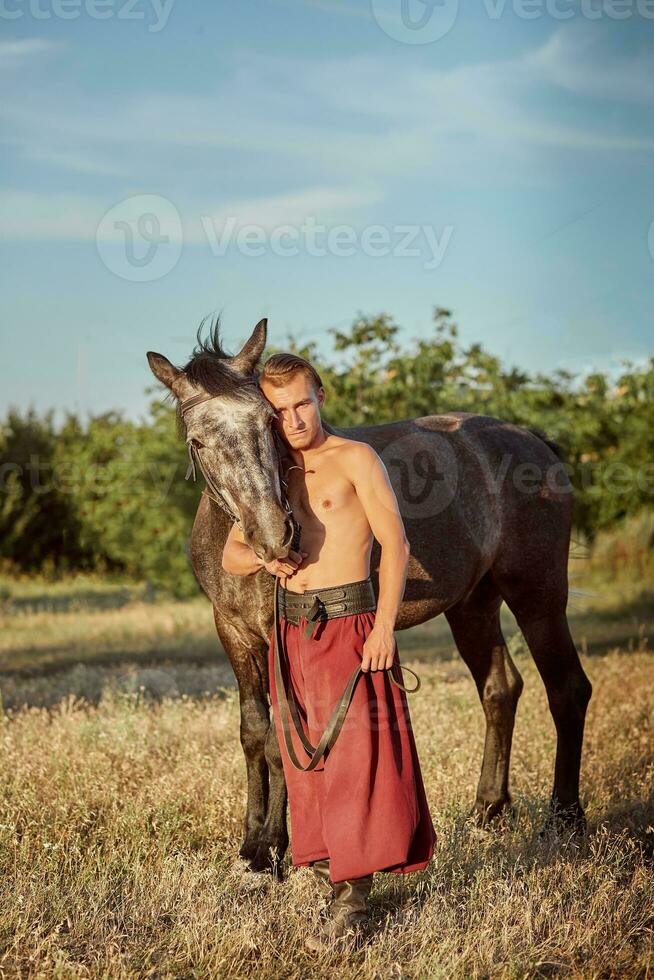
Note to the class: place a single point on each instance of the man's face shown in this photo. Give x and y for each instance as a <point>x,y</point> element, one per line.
<point>297,405</point>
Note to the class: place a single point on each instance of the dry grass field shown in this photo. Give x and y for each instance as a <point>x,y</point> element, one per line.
<point>123,791</point>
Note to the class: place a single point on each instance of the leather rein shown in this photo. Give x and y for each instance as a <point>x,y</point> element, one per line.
<point>288,707</point>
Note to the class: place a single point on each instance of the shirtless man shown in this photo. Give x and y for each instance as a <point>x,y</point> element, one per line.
<point>341,495</point>
<point>346,823</point>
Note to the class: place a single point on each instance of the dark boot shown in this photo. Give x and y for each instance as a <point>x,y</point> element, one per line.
<point>348,914</point>
<point>351,897</point>
<point>321,870</point>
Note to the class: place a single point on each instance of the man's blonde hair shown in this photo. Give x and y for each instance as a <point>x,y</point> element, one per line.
<point>279,369</point>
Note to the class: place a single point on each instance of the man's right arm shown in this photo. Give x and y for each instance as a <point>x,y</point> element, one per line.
<point>239,558</point>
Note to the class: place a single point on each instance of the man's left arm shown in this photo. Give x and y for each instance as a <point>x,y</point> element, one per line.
<point>374,490</point>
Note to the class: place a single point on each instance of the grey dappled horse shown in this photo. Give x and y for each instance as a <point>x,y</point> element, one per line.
<point>487,507</point>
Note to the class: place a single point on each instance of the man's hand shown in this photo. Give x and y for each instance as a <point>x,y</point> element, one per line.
<point>379,649</point>
<point>285,567</point>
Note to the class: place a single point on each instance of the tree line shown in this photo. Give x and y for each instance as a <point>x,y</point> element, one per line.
<point>108,494</point>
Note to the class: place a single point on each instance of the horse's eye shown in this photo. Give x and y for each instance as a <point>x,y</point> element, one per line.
<point>197,444</point>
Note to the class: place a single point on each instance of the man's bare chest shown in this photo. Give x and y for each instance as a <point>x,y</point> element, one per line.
<point>320,493</point>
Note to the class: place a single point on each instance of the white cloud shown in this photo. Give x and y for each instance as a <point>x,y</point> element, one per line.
<point>15,52</point>
<point>483,124</point>
<point>578,60</point>
<point>489,101</point>
<point>384,124</point>
<point>42,217</point>
<point>325,204</point>
<point>339,7</point>
<point>75,217</point>
<point>76,161</point>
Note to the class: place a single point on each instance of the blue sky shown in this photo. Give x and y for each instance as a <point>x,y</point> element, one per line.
<point>516,150</point>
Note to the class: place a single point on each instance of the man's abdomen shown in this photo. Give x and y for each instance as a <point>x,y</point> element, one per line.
<point>336,554</point>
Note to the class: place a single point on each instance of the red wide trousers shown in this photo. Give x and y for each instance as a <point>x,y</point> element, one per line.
<point>364,807</point>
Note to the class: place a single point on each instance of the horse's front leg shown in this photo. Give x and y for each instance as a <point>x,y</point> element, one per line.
<point>265,837</point>
<point>254,730</point>
<point>273,840</point>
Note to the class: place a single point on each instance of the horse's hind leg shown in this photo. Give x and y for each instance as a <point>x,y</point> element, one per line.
<point>568,693</point>
<point>475,625</point>
<point>531,573</point>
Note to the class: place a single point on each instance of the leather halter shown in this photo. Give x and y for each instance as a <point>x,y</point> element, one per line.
<point>212,491</point>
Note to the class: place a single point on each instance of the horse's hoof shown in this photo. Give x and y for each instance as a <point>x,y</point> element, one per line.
<point>245,881</point>
<point>486,812</point>
<point>568,821</point>
<point>268,862</point>
<point>248,849</point>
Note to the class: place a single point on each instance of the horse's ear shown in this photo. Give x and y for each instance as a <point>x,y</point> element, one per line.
<point>247,358</point>
<point>162,369</point>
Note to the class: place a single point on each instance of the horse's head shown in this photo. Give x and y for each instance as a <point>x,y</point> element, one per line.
<point>227,422</point>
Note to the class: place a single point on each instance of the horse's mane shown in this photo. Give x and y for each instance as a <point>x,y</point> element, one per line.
<point>209,368</point>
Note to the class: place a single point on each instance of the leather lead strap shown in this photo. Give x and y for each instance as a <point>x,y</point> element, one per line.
<point>288,707</point>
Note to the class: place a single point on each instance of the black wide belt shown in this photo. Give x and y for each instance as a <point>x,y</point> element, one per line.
<point>321,604</point>
<point>288,709</point>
